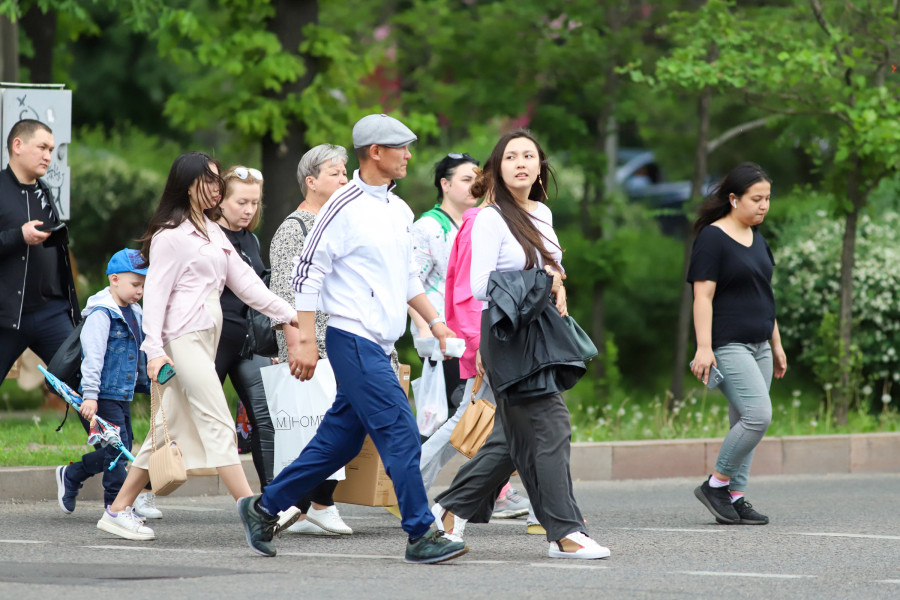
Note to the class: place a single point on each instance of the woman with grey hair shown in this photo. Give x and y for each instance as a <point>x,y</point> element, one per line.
<point>321,172</point>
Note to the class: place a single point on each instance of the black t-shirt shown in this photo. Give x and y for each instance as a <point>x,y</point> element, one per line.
<point>43,279</point>
<point>743,305</point>
<point>234,312</point>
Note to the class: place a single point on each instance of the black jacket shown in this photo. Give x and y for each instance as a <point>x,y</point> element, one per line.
<point>525,345</point>
<point>14,254</point>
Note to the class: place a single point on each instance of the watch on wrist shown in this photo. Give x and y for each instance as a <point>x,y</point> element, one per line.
<point>435,321</point>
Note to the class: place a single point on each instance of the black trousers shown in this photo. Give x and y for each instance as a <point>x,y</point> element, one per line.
<point>478,482</point>
<point>540,436</point>
<point>43,330</point>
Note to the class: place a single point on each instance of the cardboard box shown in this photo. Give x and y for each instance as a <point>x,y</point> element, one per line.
<point>404,378</point>
<point>367,482</point>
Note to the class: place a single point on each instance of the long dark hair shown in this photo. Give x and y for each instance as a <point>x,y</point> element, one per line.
<point>516,217</point>
<point>737,182</point>
<point>446,167</point>
<point>175,204</point>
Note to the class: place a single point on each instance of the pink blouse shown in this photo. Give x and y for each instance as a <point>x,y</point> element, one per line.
<point>184,269</point>
<point>463,311</point>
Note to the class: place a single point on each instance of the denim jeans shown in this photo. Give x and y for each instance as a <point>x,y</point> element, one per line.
<point>117,412</point>
<point>748,376</point>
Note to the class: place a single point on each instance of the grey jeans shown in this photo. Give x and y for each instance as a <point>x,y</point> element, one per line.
<point>748,376</point>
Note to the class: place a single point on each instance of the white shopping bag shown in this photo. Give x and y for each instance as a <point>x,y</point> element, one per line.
<point>297,407</point>
<point>431,398</point>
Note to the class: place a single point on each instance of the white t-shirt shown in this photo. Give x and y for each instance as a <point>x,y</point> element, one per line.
<point>495,249</point>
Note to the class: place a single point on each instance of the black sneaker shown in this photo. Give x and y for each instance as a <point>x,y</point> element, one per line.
<point>66,493</point>
<point>718,501</point>
<point>434,547</point>
<point>258,527</point>
<point>748,516</point>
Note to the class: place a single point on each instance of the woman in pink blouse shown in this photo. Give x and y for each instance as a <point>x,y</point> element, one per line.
<point>190,263</point>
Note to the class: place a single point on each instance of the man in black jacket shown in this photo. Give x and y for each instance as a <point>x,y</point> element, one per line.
<point>38,305</point>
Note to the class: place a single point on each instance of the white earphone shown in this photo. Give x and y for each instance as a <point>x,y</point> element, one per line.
<point>734,203</point>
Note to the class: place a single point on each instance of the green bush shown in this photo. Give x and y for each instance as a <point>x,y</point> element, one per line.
<point>807,288</point>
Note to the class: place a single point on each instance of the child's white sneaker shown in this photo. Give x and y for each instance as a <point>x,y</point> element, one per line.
<point>145,506</point>
<point>125,524</point>
<point>577,545</point>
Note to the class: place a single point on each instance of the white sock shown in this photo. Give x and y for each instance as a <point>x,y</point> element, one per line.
<point>715,482</point>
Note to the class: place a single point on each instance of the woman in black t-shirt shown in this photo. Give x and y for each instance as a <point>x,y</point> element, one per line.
<point>239,215</point>
<point>734,321</point>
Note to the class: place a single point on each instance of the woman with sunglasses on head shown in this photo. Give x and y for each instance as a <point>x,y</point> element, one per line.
<point>320,172</point>
<point>433,236</point>
<point>240,212</point>
<point>190,263</point>
<point>516,256</point>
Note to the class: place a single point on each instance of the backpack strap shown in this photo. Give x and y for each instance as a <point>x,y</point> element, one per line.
<point>302,225</point>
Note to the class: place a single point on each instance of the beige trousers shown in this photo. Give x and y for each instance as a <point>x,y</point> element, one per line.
<point>196,411</point>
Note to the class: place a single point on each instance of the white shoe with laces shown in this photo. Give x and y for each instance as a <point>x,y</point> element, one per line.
<point>304,527</point>
<point>453,526</point>
<point>577,545</point>
<point>125,524</point>
<point>145,506</point>
<point>328,519</point>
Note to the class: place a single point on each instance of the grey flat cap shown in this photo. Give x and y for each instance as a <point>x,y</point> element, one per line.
<point>383,131</point>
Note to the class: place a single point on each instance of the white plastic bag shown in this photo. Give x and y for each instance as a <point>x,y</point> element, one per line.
<point>431,398</point>
<point>297,407</point>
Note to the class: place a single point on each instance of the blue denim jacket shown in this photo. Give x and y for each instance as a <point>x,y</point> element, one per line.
<point>113,366</point>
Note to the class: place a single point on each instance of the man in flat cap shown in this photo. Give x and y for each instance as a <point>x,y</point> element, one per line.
<point>357,266</point>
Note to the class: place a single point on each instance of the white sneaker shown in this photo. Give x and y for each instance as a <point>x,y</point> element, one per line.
<point>304,527</point>
<point>286,519</point>
<point>145,506</point>
<point>577,545</point>
<point>328,519</point>
<point>126,524</point>
<point>452,525</point>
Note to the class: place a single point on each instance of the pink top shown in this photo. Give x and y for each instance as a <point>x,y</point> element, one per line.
<point>462,309</point>
<point>184,269</point>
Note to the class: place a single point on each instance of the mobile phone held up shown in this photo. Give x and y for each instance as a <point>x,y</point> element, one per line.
<point>715,376</point>
<point>165,374</point>
<point>51,227</point>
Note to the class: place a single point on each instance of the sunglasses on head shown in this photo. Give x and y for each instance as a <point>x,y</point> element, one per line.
<point>462,156</point>
<point>243,172</point>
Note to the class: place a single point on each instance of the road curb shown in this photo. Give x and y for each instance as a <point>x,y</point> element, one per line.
<point>591,461</point>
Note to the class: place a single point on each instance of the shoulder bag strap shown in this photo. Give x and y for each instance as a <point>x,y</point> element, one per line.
<point>302,225</point>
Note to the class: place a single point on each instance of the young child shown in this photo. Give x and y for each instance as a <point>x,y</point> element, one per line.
<point>112,369</point>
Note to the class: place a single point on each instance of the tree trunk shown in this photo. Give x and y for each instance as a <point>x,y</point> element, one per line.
<point>686,302</point>
<point>9,49</point>
<point>280,158</point>
<point>40,27</point>
<point>848,258</point>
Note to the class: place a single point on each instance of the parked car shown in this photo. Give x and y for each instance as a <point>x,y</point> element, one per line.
<point>643,180</point>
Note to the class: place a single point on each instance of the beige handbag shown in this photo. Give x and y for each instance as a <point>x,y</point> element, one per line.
<point>167,471</point>
<point>475,425</point>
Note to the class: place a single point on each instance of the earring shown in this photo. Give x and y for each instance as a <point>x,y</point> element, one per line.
<point>541,183</point>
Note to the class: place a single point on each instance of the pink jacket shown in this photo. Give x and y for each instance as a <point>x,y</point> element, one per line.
<point>184,269</point>
<point>463,311</point>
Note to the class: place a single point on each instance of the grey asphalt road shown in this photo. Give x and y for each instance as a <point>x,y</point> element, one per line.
<point>830,537</point>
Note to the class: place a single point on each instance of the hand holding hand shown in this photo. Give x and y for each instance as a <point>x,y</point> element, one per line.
<point>302,360</point>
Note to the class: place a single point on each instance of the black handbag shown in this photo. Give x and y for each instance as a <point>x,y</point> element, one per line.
<point>582,340</point>
<point>260,335</point>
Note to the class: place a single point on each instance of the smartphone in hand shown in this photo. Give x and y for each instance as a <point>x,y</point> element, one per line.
<point>165,373</point>
<point>46,226</point>
<point>715,376</point>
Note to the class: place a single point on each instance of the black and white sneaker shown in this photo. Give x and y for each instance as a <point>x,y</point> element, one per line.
<point>718,501</point>
<point>65,492</point>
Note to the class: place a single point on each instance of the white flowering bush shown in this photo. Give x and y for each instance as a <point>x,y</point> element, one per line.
<point>807,287</point>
